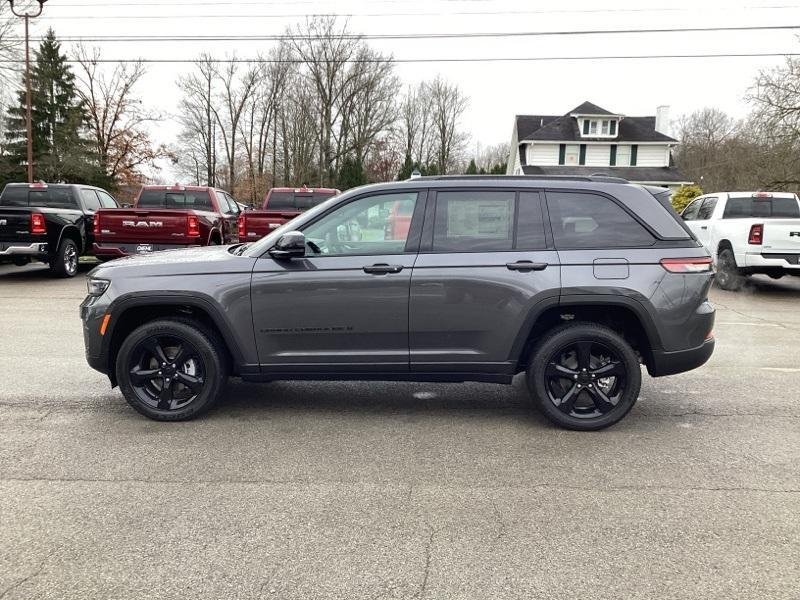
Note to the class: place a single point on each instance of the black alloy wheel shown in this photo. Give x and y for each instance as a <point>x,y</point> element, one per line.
<point>584,376</point>
<point>728,276</point>
<point>166,372</point>
<point>172,369</point>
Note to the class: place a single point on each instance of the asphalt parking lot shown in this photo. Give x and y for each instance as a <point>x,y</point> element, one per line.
<point>370,490</point>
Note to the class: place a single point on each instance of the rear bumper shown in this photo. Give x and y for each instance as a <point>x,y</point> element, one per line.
<point>771,261</point>
<point>670,363</point>
<point>128,249</point>
<point>34,249</point>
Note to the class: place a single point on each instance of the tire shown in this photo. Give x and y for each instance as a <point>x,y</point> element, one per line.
<point>569,389</point>
<point>196,385</point>
<point>728,276</point>
<point>20,261</point>
<point>65,262</point>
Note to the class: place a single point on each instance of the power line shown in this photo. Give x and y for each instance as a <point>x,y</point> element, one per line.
<point>258,60</point>
<point>408,36</point>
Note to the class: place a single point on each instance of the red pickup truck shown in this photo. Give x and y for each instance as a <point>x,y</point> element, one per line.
<point>165,217</point>
<point>280,206</point>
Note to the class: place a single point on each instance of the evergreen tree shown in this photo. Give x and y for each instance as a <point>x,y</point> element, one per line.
<point>408,167</point>
<point>351,174</point>
<point>472,169</point>
<point>61,152</point>
<point>499,169</point>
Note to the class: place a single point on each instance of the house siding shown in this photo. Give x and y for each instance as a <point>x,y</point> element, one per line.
<point>597,155</point>
<point>651,156</point>
<point>543,154</point>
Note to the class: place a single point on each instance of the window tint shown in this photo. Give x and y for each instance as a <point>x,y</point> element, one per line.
<point>473,221</point>
<point>52,198</point>
<point>591,221</point>
<point>106,201</point>
<point>690,212</point>
<point>196,200</point>
<point>706,209</point>
<point>372,225</point>
<point>747,207</point>
<point>225,203</point>
<point>530,224</point>
<point>14,195</point>
<point>296,200</point>
<point>90,199</point>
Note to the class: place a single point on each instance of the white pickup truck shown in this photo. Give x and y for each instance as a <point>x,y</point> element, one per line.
<point>748,233</point>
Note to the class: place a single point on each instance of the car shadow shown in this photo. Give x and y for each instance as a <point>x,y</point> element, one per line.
<point>36,271</point>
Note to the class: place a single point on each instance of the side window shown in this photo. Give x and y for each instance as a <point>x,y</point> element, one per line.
<point>232,204</point>
<point>582,220</point>
<point>707,209</point>
<point>690,212</point>
<point>530,223</point>
<point>473,221</point>
<point>106,200</point>
<point>224,202</point>
<point>90,199</point>
<point>372,225</point>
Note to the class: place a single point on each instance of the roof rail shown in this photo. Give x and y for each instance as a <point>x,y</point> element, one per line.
<point>594,177</point>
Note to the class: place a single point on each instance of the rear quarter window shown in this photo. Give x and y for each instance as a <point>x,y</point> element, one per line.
<point>586,220</point>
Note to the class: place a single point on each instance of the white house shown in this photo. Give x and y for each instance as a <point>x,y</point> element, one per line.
<point>590,140</point>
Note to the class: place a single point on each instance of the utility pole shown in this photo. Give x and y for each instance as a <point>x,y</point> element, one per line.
<point>27,16</point>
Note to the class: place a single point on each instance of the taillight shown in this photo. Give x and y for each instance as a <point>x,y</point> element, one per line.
<point>687,265</point>
<point>756,234</point>
<point>37,223</point>
<point>242,226</point>
<point>192,226</point>
<point>96,224</point>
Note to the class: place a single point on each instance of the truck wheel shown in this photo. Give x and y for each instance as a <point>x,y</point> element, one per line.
<point>728,276</point>
<point>171,369</point>
<point>65,262</point>
<point>584,376</point>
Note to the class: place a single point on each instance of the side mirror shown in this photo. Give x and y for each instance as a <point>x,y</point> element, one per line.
<point>291,244</point>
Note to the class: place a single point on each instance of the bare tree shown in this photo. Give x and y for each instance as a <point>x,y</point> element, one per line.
<point>116,119</point>
<point>448,104</point>
<point>198,135</point>
<point>236,90</point>
<point>776,97</point>
<point>9,52</point>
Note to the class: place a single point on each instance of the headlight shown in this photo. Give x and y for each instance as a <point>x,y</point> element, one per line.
<point>97,287</point>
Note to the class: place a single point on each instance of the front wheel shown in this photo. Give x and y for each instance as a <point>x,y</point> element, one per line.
<point>584,376</point>
<point>171,369</point>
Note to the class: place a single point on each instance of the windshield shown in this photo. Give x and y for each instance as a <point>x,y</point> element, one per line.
<point>258,248</point>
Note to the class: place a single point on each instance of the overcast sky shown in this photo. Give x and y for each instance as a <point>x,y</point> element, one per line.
<point>497,90</point>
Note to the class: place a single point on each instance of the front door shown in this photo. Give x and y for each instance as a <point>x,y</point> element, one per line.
<point>344,306</point>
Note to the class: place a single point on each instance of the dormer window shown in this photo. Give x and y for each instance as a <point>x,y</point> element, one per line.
<point>599,127</point>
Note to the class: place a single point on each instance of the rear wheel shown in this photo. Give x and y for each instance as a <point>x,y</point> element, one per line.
<point>584,376</point>
<point>728,276</point>
<point>65,262</point>
<point>171,369</point>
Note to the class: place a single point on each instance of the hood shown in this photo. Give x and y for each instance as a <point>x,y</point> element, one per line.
<point>188,261</point>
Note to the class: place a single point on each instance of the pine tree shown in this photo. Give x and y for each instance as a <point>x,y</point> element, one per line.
<point>472,169</point>
<point>61,152</point>
<point>407,168</point>
<point>351,174</point>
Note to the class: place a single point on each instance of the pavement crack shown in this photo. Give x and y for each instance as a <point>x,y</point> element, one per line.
<point>427,568</point>
<point>27,578</point>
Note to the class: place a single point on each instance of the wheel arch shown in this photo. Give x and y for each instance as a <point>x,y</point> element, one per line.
<point>215,235</point>
<point>624,315</point>
<point>130,312</point>
<point>72,232</point>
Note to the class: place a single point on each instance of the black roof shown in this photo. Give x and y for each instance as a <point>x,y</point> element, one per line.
<point>587,108</point>
<point>650,174</point>
<point>564,128</point>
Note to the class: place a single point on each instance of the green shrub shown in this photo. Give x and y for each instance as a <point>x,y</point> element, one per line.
<point>684,195</point>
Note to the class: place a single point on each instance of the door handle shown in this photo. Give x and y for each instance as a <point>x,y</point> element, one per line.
<point>703,226</point>
<point>526,265</point>
<point>382,269</point>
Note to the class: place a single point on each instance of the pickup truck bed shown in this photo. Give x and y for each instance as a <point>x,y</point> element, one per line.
<point>165,218</point>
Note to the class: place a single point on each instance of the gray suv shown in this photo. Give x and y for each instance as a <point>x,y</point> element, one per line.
<point>575,281</point>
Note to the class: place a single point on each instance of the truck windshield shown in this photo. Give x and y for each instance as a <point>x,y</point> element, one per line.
<point>759,208</point>
<point>186,199</point>
<point>39,198</point>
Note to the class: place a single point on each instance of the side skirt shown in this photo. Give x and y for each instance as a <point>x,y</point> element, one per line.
<point>381,376</point>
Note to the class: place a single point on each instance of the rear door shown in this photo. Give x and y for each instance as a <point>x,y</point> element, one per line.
<point>485,263</point>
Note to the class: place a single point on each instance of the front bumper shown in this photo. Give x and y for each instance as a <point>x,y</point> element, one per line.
<point>92,311</point>
<point>34,249</point>
<point>670,363</point>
